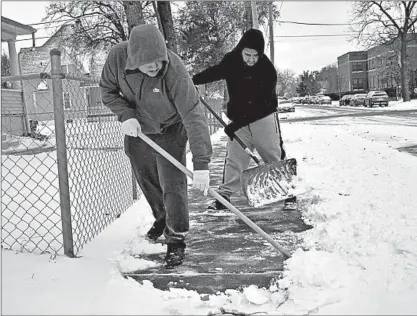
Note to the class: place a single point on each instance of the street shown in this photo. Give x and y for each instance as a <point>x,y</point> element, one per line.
<point>369,123</point>
<point>407,117</point>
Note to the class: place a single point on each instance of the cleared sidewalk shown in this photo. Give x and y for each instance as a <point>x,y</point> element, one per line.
<point>222,251</point>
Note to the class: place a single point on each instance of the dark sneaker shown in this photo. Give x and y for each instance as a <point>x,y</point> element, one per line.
<point>290,204</point>
<point>175,255</point>
<point>216,205</point>
<point>156,231</point>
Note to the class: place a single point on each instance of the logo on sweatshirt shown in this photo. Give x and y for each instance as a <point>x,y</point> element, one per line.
<point>156,90</point>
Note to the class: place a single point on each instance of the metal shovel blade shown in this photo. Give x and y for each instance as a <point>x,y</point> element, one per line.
<point>269,183</point>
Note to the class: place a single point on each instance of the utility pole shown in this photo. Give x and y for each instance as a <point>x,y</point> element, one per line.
<point>271,33</point>
<point>254,15</point>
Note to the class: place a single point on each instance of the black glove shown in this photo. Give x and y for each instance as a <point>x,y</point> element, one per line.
<point>231,129</point>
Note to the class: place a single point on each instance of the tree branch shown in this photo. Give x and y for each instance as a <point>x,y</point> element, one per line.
<point>379,5</point>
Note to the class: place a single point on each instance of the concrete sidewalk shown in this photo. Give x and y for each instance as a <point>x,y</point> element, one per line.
<point>222,251</point>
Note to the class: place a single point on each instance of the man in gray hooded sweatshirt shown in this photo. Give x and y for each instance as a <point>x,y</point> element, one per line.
<point>148,87</point>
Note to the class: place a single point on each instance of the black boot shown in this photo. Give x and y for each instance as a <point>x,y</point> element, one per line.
<point>217,205</point>
<point>290,204</point>
<point>175,255</point>
<point>156,230</point>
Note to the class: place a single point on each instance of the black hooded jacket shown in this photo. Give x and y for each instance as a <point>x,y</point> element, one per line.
<point>251,89</point>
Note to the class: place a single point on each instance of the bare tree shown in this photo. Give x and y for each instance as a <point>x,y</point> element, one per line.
<point>286,82</point>
<point>5,65</point>
<point>98,24</point>
<point>385,23</point>
<point>342,84</point>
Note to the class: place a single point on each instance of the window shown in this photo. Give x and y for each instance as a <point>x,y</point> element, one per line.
<point>67,100</point>
<point>87,96</point>
<point>356,66</point>
<point>64,69</point>
<point>68,69</point>
<point>358,83</point>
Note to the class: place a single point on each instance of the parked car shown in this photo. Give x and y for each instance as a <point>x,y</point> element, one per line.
<point>296,100</point>
<point>376,98</point>
<point>306,99</point>
<point>325,100</point>
<point>358,99</point>
<point>285,105</point>
<point>313,99</point>
<point>345,100</point>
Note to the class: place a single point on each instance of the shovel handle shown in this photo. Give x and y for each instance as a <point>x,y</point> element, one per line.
<point>217,196</point>
<point>248,151</point>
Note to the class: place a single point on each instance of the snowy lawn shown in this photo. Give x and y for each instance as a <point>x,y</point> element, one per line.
<point>361,257</point>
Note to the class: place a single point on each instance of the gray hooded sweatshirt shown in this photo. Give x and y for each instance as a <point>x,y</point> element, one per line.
<point>156,102</point>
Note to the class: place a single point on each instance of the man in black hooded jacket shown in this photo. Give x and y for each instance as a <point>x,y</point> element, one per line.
<point>251,80</point>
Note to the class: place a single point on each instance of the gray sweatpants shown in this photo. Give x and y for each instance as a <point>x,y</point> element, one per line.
<point>163,184</point>
<point>262,135</point>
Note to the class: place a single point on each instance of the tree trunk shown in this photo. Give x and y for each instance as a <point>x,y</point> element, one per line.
<point>404,69</point>
<point>164,11</point>
<point>158,18</point>
<point>134,14</point>
<point>248,17</point>
<point>254,9</point>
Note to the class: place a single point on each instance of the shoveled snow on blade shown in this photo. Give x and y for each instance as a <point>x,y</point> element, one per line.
<point>269,183</point>
<point>259,196</point>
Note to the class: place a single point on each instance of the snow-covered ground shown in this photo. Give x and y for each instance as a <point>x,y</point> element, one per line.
<point>360,257</point>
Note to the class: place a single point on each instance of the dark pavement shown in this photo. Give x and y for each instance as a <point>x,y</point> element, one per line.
<point>222,251</point>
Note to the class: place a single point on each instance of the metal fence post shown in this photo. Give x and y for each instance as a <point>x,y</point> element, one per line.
<point>64,194</point>
<point>134,186</point>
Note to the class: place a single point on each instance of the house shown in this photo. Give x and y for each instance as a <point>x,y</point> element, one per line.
<point>13,117</point>
<point>37,92</point>
<point>10,29</point>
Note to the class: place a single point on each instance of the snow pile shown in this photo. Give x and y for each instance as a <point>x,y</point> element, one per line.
<point>363,245</point>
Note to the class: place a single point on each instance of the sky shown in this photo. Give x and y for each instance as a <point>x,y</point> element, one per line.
<point>311,53</point>
<point>358,259</point>
<point>297,54</point>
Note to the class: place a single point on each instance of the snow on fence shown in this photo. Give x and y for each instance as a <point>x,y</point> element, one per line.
<point>67,178</point>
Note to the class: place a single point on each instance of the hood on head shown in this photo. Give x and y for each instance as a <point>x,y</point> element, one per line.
<point>253,39</point>
<point>146,45</point>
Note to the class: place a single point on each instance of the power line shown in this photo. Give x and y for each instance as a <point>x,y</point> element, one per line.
<point>315,35</point>
<point>57,21</point>
<point>280,36</point>
<point>316,24</point>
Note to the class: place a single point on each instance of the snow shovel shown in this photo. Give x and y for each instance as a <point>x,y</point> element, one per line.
<point>217,196</point>
<point>267,183</point>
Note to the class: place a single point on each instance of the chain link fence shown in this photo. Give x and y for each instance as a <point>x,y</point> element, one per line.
<point>65,176</point>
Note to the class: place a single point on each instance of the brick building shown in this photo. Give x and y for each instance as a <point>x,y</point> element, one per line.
<point>353,71</point>
<point>377,68</point>
<point>384,64</point>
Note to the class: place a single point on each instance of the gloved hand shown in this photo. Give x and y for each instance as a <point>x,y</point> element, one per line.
<point>201,180</point>
<point>131,127</point>
<point>231,129</point>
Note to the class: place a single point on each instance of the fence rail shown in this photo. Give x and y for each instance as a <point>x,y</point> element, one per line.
<point>65,176</point>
